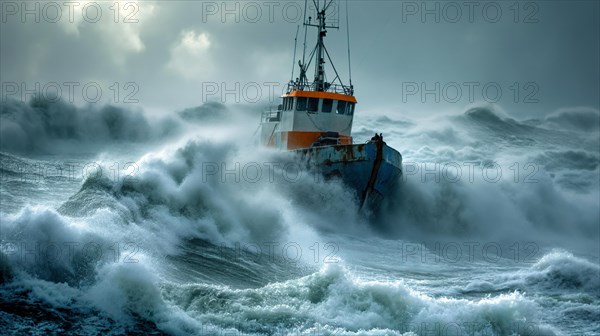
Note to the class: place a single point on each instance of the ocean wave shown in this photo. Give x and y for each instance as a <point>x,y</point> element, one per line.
<point>40,242</point>
<point>46,126</point>
<point>584,119</point>
<point>333,300</point>
<point>557,272</point>
<point>562,270</point>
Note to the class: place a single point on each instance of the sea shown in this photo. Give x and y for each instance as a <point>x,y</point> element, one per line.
<point>117,222</point>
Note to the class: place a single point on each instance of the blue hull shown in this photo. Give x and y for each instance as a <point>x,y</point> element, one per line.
<point>372,169</point>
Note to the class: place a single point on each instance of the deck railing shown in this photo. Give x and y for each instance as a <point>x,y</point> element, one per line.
<point>271,116</point>
<point>326,87</point>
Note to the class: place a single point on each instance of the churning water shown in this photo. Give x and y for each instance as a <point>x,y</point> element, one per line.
<point>116,223</point>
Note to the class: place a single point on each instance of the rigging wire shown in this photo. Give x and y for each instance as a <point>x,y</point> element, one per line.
<point>348,37</point>
<point>295,47</point>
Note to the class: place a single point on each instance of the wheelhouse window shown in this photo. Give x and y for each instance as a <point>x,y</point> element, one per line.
<point>327,105</point>
<point>341,107</point>
<point>301,104</point>
<point>313,105</point>
<point>287,104</point>
<point>350,109</point>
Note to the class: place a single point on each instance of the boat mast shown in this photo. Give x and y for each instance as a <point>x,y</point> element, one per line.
<point>319,52</point>
<point>303,80</point>
<point>319,80</point>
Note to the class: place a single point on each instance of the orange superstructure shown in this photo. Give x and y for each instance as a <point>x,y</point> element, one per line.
<point>319,94</point>
<point>309,118</point>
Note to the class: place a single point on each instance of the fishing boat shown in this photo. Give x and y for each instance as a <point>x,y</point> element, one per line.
<point>315,119</point>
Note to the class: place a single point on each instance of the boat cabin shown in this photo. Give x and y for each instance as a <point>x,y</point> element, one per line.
<point>309,118</point>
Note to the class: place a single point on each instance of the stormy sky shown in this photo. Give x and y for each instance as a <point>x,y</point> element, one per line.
<point>528,58</point>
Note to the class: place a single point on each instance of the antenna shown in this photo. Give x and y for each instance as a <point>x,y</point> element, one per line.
<point>348,36</point>
<point>295,46</point>
<point>302,70</point>
<point>320,53</point>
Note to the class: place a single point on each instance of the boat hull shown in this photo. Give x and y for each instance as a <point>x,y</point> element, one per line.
<point>371,169</point>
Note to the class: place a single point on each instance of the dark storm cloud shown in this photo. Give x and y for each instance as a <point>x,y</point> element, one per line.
<point>549,50</point>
